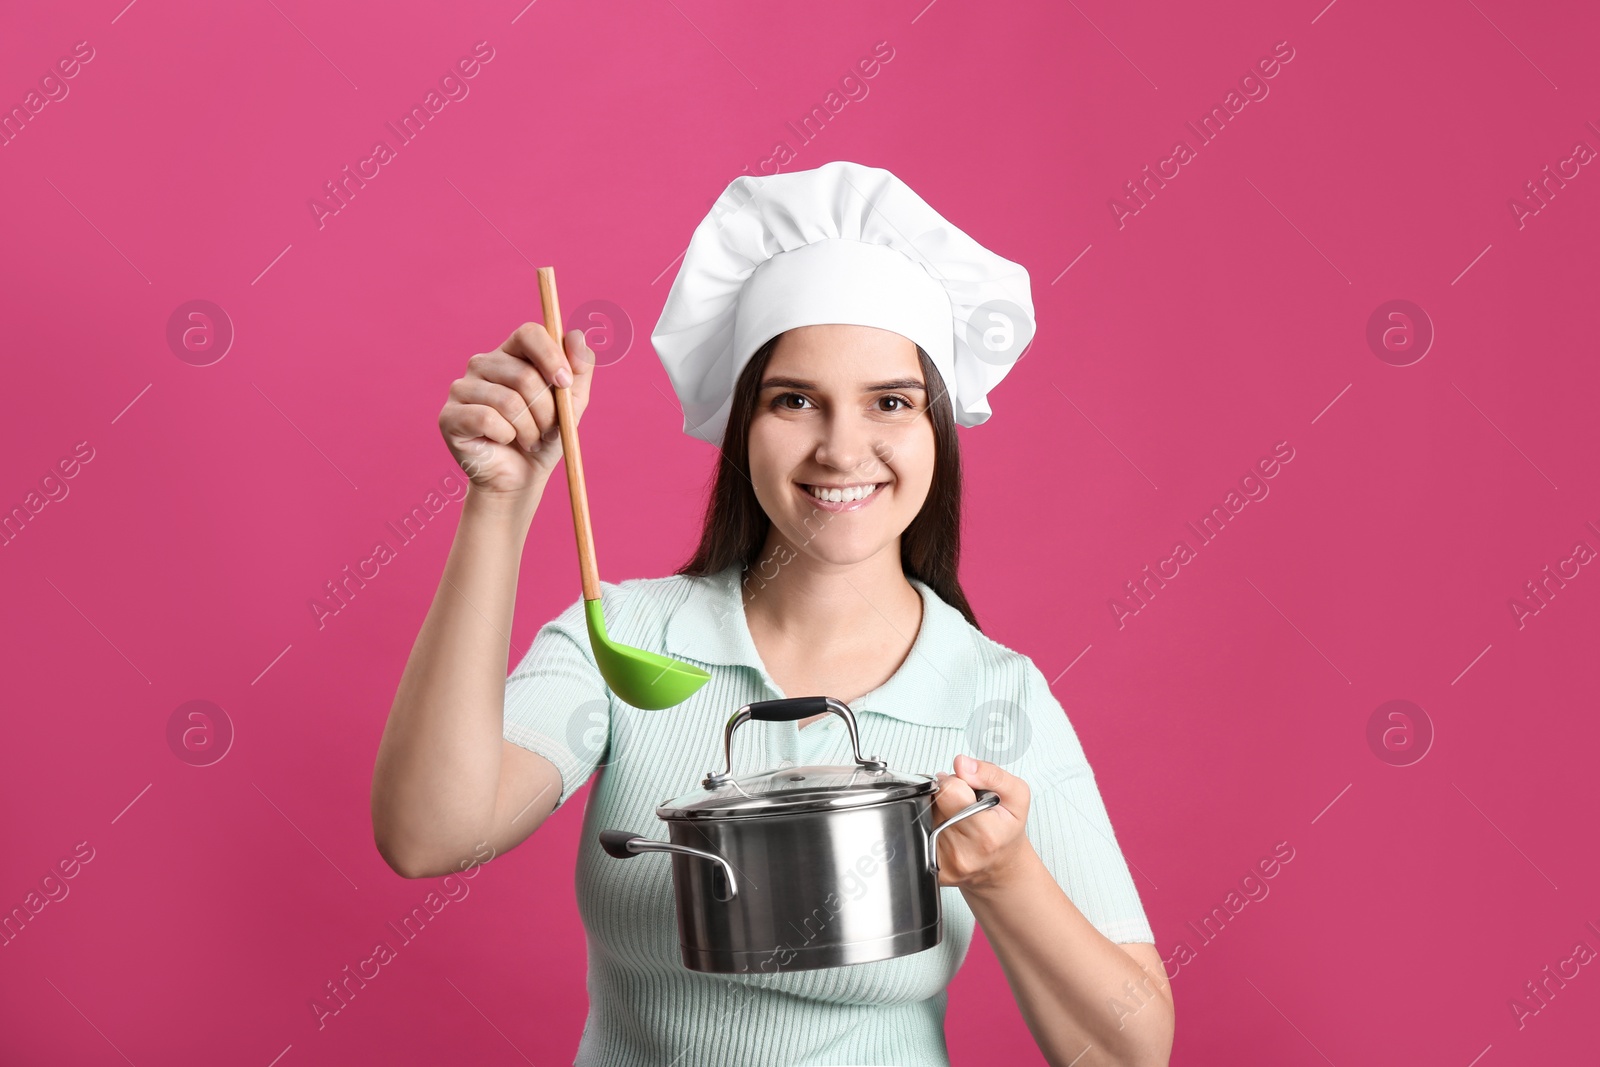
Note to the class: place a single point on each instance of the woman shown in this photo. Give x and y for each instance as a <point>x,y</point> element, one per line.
<point>815,344</point>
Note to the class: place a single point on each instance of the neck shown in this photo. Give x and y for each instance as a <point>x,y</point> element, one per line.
<point>829,604</point>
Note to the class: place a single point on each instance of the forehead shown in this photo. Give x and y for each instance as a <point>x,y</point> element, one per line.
<point>841,353</point>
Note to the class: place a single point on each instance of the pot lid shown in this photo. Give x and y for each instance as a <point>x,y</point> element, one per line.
<point>793,789</point>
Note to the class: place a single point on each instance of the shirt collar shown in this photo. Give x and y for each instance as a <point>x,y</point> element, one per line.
<point>933,687</point>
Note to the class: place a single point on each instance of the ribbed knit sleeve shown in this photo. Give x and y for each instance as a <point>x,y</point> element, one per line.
<point>1067,821</point>
<point>556,703</point>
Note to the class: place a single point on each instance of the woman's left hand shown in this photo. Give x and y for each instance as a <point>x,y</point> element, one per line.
<point>982,850</point>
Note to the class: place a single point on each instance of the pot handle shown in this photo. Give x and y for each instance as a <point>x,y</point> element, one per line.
<point>790,709</point>
<point>622,844</point>
<point>987,798</point>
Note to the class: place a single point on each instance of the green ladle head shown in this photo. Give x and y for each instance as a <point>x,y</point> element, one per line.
<point>644,679</point>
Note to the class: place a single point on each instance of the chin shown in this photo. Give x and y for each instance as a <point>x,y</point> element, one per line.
<point>840,552</point>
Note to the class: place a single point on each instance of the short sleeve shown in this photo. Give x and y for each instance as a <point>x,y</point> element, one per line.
<point>1067,821</point>
<point>556,702</point>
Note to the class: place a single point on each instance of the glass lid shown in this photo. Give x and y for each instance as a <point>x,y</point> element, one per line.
<point>793,789</point>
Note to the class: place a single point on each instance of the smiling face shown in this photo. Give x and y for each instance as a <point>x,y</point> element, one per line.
<point>841,444</point>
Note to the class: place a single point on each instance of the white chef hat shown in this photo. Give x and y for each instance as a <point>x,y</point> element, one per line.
<point>841,243</point>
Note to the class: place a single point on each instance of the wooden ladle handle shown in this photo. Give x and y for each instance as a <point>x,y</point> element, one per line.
<point>588,569</point>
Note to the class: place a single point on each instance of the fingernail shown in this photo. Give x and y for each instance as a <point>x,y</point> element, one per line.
<point>563,377</point>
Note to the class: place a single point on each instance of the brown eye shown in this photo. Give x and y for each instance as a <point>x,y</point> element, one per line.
<point>905,405</point>
<point>778,401</point>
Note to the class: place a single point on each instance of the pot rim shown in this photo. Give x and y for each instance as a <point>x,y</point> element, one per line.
<point>800,802</point>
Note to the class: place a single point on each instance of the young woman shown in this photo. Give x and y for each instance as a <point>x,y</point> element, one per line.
<point>826,566</point>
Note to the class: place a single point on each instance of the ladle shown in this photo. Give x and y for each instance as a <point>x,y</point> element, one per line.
<point>644,679</point>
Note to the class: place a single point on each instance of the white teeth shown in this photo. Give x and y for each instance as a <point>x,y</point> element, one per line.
<point>840,496</point>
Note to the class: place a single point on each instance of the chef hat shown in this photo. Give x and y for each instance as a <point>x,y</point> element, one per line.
<point>842,243</point>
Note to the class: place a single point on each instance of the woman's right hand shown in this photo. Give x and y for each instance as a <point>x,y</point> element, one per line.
<point>500,421</point>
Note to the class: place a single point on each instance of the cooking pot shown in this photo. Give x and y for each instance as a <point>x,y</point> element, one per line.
<point>803,866</point>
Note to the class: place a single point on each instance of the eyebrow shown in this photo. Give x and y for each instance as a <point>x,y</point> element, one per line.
<point>875,387</point>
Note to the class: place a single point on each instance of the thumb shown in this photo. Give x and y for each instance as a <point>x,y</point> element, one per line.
<point>579,355</point>
<point>981,774</point>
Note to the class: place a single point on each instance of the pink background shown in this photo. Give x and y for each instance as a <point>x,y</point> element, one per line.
<point>1228,314</point>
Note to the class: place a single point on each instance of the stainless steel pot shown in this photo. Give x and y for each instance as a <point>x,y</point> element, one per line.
<point>802,867</point>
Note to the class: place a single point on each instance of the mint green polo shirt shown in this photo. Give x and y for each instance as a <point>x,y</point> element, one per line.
<point>957,692</point>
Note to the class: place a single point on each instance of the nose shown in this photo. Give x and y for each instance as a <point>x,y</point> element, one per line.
<point>852,446</point>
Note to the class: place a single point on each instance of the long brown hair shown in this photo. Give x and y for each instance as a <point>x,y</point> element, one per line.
<point>735,527</point>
